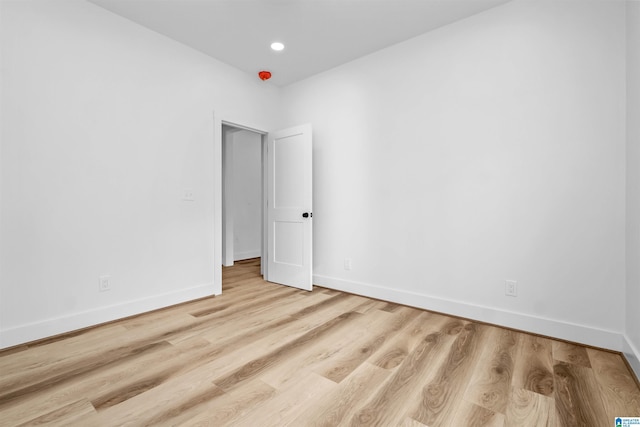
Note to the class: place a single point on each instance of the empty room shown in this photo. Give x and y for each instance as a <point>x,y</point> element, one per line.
<point>320,212</point>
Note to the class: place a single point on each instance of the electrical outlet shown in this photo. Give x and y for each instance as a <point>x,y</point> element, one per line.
<point>104,284</point>
<point>187,195</point>
<point>511,288</point>
<point>347,263</point>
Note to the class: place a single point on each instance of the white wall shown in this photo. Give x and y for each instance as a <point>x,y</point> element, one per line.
<point>489,149</point>
<point>247,194</point>
<point>104,125</point>
<point>632,349</point>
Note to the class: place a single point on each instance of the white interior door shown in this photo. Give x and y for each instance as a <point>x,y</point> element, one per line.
<point>289,211</point>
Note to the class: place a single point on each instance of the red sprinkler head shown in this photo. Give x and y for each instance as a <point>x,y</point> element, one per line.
<point>264,75</point>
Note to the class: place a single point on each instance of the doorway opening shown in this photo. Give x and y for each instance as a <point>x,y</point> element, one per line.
<point>243,195</point>
<point>286,206</point>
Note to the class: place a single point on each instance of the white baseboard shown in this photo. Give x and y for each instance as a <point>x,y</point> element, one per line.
<point>239,256</point>
<point>538,325</point>
<point>58,325</point>
<point>632,354</point>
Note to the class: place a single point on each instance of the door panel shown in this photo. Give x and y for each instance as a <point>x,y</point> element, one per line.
<point>288,243</point>
<point>289,172</point>
<point>289,190</point>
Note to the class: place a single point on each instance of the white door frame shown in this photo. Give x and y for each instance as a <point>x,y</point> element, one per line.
<point>218,202</point>
<point>227,189</point>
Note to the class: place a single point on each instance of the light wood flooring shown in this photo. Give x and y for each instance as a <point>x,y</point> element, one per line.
<point>269,355</point>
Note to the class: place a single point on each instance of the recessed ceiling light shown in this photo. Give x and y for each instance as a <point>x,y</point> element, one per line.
<point>277,46</point>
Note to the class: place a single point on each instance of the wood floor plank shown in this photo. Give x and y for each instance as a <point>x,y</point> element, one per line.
<point>533,367</point>
<point>203,364</point>
<point>438,403</point>
<point>334,408</point>
<point>102,381</point>
<point>182,384</point>
<point>40,354</point>
<point>43,361</point>
<point>332,355</point>
<point>490,385</point>
<point>259,321</point>
<point>570,353</point>
<point>472,415</point>
<point>229,355</point>
<point>70,372</point>
<point>271,335</point>
<point>410,422</point>
<point>208,388</point>
<point>622,397</point>
<point>261,354</point>
<point>396,349</point>
<point>287,405</point>
<point>279,355</point>
<point>158,407</point>
<point>367,343</point>
<point>530,409</point>
<point>242,317</point>
<point>384,407</point>
<point>228,408</point>
<point>369,305</point>
<point>71,414</point>
<point>577,403</point>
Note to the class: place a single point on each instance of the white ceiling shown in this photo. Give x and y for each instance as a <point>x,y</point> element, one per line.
<point>318,34</point>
